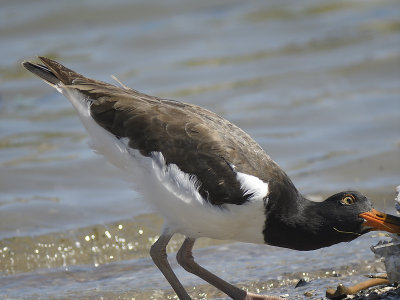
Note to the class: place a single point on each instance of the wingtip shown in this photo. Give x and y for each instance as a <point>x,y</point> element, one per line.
<point>51,71</point>
<point>47,61</point>
<point>42,58</point>
<point>28,65</point>
<point>25,63</point>
<point>42,71</point>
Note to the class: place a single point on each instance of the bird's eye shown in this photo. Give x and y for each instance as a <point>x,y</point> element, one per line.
<point>348,200</point>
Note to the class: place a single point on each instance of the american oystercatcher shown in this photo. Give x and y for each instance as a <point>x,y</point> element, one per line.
<point>205,176</point>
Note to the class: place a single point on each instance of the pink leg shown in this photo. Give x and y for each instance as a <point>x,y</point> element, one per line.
<point>186,260</point>
<point>159,255</point>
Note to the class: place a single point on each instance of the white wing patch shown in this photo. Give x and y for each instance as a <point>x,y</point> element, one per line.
<point>182,185</point>
<point>252,185</point>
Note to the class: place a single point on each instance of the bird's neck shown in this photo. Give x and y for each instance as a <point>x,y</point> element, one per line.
<point>294,222</point>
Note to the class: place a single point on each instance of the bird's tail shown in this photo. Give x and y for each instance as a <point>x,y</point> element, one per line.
<point>81,92</point>
<point>52,72</point>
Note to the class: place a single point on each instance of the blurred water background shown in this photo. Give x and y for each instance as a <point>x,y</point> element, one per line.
<point>316,83</point>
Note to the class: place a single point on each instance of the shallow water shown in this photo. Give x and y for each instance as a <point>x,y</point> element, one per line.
<point>316,83</point>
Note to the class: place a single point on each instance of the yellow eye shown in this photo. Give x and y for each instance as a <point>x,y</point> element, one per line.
<point>348,200</point>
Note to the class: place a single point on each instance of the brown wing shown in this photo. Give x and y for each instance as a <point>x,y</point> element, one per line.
<point>198,141</point>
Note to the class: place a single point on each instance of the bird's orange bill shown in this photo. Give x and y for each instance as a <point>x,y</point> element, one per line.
<point>381,221</point>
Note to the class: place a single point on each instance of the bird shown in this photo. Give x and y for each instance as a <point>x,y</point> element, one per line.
<point>205,176</point>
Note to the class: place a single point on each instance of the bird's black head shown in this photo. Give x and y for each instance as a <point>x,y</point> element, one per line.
<point>341,215</point>
<point>352,211</point>
<point>350,214</point>
<point>340,218</point>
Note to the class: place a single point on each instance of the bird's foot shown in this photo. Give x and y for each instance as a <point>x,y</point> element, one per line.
<point>251,296</point>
